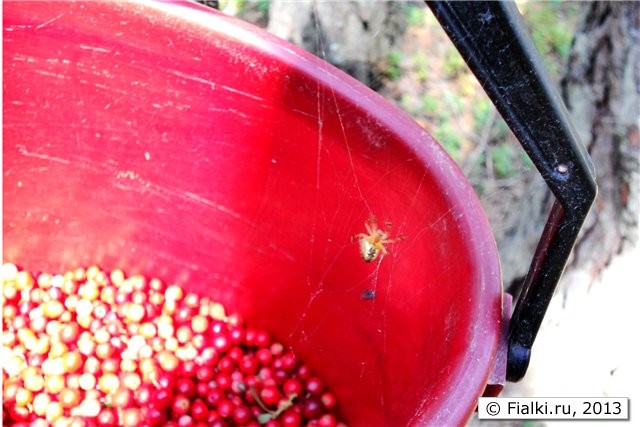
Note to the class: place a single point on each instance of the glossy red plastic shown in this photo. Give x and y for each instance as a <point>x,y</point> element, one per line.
<point>173,141</point>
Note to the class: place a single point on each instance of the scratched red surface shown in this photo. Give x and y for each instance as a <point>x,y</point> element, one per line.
<point>175,142</point>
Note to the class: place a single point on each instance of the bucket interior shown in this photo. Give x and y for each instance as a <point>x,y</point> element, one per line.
<point>175,142</point>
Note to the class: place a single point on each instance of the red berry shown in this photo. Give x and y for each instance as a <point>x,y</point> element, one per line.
<point>312,408</point>
<point>265,373</point>
<point>208,355</point>
<point>290,418</point>
<point>108,417</point>
<point>237,335</point>
<point>280,375</point>
<point>314,386</point>
<point>181,405</point>
<point>262,339</point>
<point>241,414</point>
<point>328,400</point>
<point>217,422</point>
<point>304,372</point>
<point>327,420</point>
<point>264,356</point>
<point>122,398</point>
<point>155,416</point>
<point>226,364</point>
<point>202,388</point>
<point>199,410</point>
<point>276,348</point>
<point>131,417</point>
<point>162,398</point>
<point>188,368</point>
<point>144,394</point>
<point>249,365</point>
<point>185,421</point>
<point>214,397</point>
<point>205,373</point>
<point>165,380</point>
<point>292,386</point>
<point>223,381</point>
<point>225,408</point>
<point>152,353</point>
<point>221,343</point>
<point>270,396</point>
<point>186,387</point>
<point>235,353</point>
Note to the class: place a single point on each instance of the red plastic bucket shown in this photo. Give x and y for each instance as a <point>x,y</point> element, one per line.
<point>175,142</point>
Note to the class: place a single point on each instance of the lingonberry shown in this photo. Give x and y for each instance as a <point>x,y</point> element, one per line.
<point>249,364</point>
<point>290,418</point>
<point>241,414</point>
<point>314,386</point>
<point>226,364</point>
<point>199,410</point>
<point>131,417</point>
<point>289,361</point>
<point>187,368</point>
<point>144,395</point>
<point>292,386</point>
<point>155,416</point>
<point>270,396</point>
<point>223,381</point>
<point>276,349</point>
<point>181,405</point>
<point>327,420</point>
<point>184,315</point>
<point>225,408</point>
<point>185,421</point>
<point>202,388</point>
<point>217,422</point>
<point>237,335</point>
<point>192,300</point>
<point>209,355</point>
<point>280,375</point>
<point>221,343</point>
<point>98,349</point>
<point>304,372</point>
<point>122,398</point>
<point>162,398</point>
<point>186,387</point>
<point>68,398</point>
<point>214,396</point>
<point>205,373</point>
<point>328,400</point>
<point>312,407</point>
<point>264,356</point>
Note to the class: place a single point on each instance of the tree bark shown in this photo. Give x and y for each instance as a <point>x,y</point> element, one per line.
<point>355,36</point>
<point>602,91</point>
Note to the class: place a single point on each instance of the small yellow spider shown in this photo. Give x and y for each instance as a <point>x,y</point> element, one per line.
<point>372,243</point>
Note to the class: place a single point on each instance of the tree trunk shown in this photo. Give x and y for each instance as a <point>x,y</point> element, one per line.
<point>355,36</point>
<point>602,91</point>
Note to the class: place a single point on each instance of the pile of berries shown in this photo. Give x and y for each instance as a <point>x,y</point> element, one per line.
<point>96,348</point>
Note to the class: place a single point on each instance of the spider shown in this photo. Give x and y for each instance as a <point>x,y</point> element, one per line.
<point>373,242</point>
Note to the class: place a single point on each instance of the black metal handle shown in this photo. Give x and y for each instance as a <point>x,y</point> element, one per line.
<point>492,39</point>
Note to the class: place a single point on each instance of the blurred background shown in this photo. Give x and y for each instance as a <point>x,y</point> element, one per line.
<point>592,52</point>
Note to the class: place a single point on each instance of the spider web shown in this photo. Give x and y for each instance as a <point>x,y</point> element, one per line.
<point>375,287</point>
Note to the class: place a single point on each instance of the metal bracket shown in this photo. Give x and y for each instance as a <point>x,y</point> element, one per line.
<point>493,40</point>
